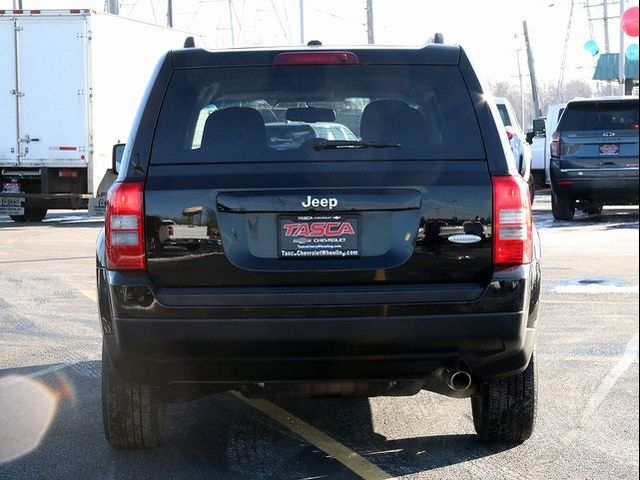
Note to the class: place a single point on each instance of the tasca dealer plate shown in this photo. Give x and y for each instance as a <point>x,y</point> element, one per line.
<point>318,236</point>
<point>609,149</point>
<point>11,205</point>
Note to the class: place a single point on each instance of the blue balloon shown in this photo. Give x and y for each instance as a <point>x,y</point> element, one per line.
<point>632,52</point>
<point>591,46</point>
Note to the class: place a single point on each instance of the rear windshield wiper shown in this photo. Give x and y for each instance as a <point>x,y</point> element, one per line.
<point>324,144</point>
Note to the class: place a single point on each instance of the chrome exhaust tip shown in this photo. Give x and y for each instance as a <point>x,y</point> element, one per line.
<point>459,381</point>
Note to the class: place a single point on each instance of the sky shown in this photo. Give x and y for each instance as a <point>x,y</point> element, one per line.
<point>489,30</point>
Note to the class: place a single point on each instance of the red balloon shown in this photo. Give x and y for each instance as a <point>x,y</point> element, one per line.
<point>629,22</point>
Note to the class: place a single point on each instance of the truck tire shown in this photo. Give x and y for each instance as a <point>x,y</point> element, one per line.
<point>132,413</point>
<point>563,208</point>
<point>31,214</point>
<point>505,410</point>
<point>594,210</point>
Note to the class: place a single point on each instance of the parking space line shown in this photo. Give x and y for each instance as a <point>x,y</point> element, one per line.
<point>582,302</point>
<point>608,382</point>
<point>90,294</point>
<point>5,382</point>
<point>350,459</point>
<point>40,260</point>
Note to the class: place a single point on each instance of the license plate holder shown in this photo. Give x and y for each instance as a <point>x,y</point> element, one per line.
<point>609,149</point>
<point>318,236</point>
<point>11,187</point>
<point>12,205</point>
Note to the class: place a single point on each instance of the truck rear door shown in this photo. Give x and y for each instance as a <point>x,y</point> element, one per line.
<point>8,105</point>
<point>53,77</point>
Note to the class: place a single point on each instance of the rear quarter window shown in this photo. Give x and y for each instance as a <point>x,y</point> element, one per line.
<point>579,116</point>
<point>232,114</point>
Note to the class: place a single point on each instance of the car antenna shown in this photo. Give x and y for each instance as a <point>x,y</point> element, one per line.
<point>437,38</point>
<point>189,42</point>
<point>314,43</point>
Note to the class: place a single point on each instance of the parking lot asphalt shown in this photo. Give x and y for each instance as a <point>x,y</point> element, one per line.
<point>587,356</point>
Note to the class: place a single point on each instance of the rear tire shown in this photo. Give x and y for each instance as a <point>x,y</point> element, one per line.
<point>132,413</point>
<point>594,210</point>
<point>505,410</point>
<point>564,208</point>
<point>532,189</point>
<point>31,214</point>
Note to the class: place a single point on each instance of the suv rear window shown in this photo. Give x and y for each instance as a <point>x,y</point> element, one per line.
<point>234,114</point>
<point>609,115</point>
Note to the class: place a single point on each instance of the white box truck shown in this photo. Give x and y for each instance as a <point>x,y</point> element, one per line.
<point>70,84</point>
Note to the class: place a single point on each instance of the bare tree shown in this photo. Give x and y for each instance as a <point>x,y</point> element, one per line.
<point>547,93</point>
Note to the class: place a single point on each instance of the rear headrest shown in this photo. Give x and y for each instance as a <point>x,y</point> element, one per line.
<point>392,121</point>
<point>234,128</point>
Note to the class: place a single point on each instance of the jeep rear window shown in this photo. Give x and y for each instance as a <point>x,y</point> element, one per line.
<point>622,115</point>
<point>252,114</point>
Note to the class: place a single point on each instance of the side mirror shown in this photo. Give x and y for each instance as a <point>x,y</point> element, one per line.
<point>116,157</point>
<point>530,136</point>
<point>539,127</point>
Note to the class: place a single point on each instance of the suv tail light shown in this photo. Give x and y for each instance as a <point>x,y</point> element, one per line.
<point>124,227</point>
<point>556,145</point>
<point>512,224</point>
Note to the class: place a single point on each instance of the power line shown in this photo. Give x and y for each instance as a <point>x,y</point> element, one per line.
<point>286,17</point>
<point>275,11</point>
<point>153,10</point>
<point>563,64</point>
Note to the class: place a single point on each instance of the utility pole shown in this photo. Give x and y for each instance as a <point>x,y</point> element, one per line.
<point>621,59</point>
<point>17,5</point>
<point>605,14</point>
<point>521,91</point>
<point>170,13</point>
<point>113,7</point>
<point>301,9</point>
<point>370,40</point>
<point>589,19</point>
<point>532,73</point>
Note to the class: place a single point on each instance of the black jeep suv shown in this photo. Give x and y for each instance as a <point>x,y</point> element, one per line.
<point>270,261</point>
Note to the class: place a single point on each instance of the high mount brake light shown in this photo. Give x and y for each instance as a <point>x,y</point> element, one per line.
<point>512,224</point>
<point>124,227</point>
<point>316,58</point>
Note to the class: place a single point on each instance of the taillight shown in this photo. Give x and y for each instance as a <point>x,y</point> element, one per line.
<point>124,227</point>
<point>68,174</point>
<point>556,145</point>
<point>512,224</point>
<point>316,58</point>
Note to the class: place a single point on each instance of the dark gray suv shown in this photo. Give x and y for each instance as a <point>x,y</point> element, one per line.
<point>594,156</point>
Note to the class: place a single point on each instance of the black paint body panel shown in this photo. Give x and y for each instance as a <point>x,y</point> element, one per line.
<point>216,304</point>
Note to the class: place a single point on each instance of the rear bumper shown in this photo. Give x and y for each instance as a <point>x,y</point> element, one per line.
<point>207,338</point>
<point>607,186</point>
